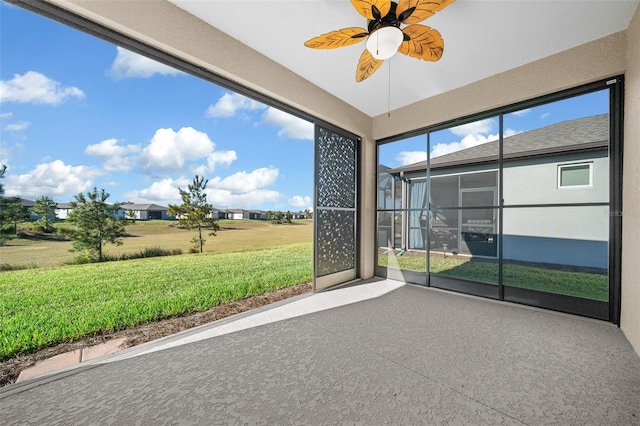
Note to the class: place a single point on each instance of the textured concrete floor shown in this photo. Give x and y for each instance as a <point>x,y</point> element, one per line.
<point>410,356</point>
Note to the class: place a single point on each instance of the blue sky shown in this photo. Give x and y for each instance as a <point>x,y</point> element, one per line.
<point>77,112</point>
<point>446,141</point>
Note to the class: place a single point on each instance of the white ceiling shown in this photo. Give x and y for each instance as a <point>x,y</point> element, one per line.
<point>482,38</point>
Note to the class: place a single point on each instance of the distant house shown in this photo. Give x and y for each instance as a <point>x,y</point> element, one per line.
<point>218,214</point>
<point>146,211</point>
<point>63,210</point>
<point>565,162</point>
<point>27,205</point>
<point>257,215</point>
<point>238,214</point>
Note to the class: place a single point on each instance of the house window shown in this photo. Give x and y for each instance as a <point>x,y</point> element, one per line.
<point>573,175</point>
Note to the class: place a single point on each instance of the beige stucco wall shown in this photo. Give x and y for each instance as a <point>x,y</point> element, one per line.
<point>590,62</point>
<point>630,314</point>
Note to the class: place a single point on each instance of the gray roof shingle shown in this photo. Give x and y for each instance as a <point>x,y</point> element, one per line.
<point>143,207</point>
<point>572,135</point>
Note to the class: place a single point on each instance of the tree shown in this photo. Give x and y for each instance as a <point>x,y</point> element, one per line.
<point>288,217</point>
<point>14,214</point>
<point>308,213</point>
<point>194,212</point>
<point>96,222</point>
<point>46,208</point>
<point>7,212</point>
<point>279,217</point>
<point>130,217</point>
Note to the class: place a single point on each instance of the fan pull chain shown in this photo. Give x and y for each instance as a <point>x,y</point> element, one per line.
<point>389,100</point>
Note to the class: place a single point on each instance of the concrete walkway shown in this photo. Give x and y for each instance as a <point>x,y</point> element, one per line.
<point>70,359</point>
<point>381,353</point>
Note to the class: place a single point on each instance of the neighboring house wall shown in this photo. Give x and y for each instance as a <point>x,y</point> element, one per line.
<point>63,210</point>
<point>218,214</point>
<point>145,211</point>
<point>238,214</point>
<point>576,236</point>
<point>257,215</point>
<point>536,180</point>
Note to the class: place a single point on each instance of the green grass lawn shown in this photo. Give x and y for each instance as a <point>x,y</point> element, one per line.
<point>570,283</point>
<point>42,307</point>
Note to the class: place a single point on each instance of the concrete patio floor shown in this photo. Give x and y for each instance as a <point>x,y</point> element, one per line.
<point>377,353</point>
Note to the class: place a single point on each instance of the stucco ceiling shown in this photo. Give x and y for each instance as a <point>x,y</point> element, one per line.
<point>482,38</point>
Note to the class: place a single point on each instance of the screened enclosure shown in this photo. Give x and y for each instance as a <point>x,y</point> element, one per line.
<point>513,205</point>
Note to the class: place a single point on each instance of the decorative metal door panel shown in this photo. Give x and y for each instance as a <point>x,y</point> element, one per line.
<point>335,214</point>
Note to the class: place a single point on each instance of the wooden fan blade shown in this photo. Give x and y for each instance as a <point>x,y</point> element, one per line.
<point>338,38</point>
<point>372,9</point>
<point>418,10</point>
<point>367,65</point>
<point>424,43</point>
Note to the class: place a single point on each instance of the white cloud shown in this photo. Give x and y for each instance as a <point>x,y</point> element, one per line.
<point>6,115</point>
<point>468,141</point>
<point>16,127</point>
<point>223,158</point>
<point>221,198</point>
<point>510,132</point>
<point>545,115</point>
<point>291,126</point>
<point>54,179</point>
<point>128,64</point>
<point>521,112</point>
<point>33,87</point>
<point>243,182</point>
<point>164,192</point>
<point>119,164</point>
<point>170,150</point>
<point>480,126</point>
<point>230,103</point>
<point>410,157</point>
<point>474,134</point>
<point>110,148</point>
<point>118,158</point>
<point>299,201</point>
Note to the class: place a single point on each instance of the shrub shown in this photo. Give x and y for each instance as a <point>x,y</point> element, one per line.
<point>152,252</point>
<point>40,229</point>
<point>9,267</point>
<point>147,252</point>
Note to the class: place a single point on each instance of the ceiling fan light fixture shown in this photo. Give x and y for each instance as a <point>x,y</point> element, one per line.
<point>383,43</point>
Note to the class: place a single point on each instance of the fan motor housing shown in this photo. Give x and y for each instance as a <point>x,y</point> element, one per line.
<point>389,20</point>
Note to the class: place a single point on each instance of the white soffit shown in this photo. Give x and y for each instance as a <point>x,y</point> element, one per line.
<point>482,38</point>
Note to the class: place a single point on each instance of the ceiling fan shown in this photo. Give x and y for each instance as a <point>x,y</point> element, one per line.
<point>384,35</point>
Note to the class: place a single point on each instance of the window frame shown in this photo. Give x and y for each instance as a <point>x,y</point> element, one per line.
<point>568,165</point>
